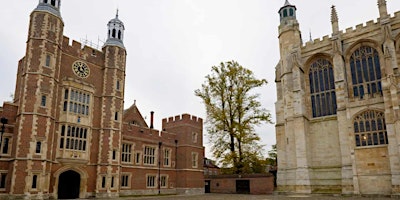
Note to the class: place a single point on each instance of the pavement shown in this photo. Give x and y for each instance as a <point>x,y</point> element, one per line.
<point>253,197</point>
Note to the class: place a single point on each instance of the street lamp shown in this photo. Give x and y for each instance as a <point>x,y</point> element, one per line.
<point>3,121</point>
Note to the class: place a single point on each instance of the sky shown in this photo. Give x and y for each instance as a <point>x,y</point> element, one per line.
<point>172,44</point>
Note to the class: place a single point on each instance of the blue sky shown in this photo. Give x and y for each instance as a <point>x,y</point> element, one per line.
<point>172,44</point>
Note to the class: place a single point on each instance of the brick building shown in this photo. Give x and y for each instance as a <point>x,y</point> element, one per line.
<point>337,112</point>
<point>67,134</point>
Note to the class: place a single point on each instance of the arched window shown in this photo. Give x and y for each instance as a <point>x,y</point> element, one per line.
<point>285,13</point>
<point>291,12</point>
<point>365,72</point>
<point>322,88</point>
<point>119,34</point>
<point>53,2</point>
<point>45,1</point>
<point>370,129</point>
<point>113,33</point>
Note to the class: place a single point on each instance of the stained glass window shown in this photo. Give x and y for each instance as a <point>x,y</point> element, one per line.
<point>322,88</point>
<point>365,72</point>
<point>370,129</point>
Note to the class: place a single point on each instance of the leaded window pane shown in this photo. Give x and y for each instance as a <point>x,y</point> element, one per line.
<point>365,72</point>
<point>365,126</point>
<point>322,88</point>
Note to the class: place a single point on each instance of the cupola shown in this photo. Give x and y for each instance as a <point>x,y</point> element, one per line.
<point>115,34</point>
<point>52,6</point>
<point>287,12</point>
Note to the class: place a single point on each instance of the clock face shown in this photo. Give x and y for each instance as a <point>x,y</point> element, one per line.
<point>80,69</point>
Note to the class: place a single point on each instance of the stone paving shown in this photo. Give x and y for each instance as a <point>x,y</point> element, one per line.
<point>253,197</point>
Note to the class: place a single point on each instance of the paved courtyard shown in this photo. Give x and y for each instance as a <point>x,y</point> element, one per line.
<point>252,197</point>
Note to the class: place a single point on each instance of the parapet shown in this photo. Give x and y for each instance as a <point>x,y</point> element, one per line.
<point>182,120</point>
<point>77,49</point>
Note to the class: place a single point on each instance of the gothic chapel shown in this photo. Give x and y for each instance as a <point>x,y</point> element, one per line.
<point>66,134</point>
<point>338,107</point>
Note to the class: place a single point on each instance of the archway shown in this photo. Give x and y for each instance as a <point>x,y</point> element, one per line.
<point>69,185</point>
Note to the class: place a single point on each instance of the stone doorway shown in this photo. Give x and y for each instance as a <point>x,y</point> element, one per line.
<point>69,185</point>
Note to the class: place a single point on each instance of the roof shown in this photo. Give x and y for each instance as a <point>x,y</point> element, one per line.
<point>132,115</point>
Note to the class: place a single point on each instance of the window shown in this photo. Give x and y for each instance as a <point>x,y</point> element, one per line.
<point>78,102</point>
<point>291,12</point>
<point>34,181</point>
<point>48,59</point>
<point>149,155</point>
<point>118,85</point>
<point>112,182</point>
<point>5,145</point>
<point>370,129</point>
<point>167,157</point>
<point>43,101</point>
<point>164,181</point>
<point>151,181</point>
<point>285,13</point>
<point>116,116</point>
<point>38,147</point>
<point>137,158</point>
<point>126,153</point>
<point>365,72</point>
<point>73,137</point>
<point>3,178</point>
<point>195,158</point>
<point>114,155</point>
<point>103,182</point>
<point>322,88</point>
<point>125,180</point>
<point>194,137</point>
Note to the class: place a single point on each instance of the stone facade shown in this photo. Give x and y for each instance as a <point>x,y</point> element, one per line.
<point>68,135</point>
<point>338,115</point>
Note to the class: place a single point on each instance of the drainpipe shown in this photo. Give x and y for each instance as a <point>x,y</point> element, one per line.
<point>159,167</point>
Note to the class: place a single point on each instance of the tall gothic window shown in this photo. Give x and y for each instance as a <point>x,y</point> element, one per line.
<point>322,88</point>
<point>370,129</point>
<point>365,72</point>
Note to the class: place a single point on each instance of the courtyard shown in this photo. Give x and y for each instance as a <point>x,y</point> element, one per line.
<point>253,197</point>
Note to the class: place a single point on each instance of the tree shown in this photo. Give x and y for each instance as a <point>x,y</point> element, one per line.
<point>233,111</point>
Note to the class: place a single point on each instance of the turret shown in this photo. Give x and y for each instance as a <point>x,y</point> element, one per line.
<point>52,6</point>
<point>115,34</point>
<point>287,12</point>
<point>289,32</point>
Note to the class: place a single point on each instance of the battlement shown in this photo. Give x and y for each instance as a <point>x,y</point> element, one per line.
<point>317,42</point>
<point>78,46</point>
<point>181,120</point>
<point>359,28</point>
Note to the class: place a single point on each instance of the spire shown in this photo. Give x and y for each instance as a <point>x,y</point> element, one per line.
<point>382,8</point>
<point>51,6</point>
<point>310,36</point>
<point>334,20</point>
<point>287,12</point>
<point>116,30</point>
<point>287,3</point>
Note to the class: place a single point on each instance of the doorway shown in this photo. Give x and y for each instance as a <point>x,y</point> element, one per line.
<point>242,186</point>
<point>69,185</point>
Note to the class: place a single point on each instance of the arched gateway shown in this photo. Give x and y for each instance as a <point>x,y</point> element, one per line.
<point>69,185</point>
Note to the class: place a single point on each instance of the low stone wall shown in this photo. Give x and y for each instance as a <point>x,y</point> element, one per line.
<point>253,183</point>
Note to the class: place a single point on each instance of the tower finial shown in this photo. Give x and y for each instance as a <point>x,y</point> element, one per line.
<point>334,16</point>
<point>310,36</point>
<point>382,8</point>
<point>116,16</point>
<point>334,20</point>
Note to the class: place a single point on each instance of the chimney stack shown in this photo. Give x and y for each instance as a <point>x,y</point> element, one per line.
<point>152,119</point>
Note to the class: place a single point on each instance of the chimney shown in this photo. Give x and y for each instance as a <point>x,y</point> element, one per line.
<point>152,119</point>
